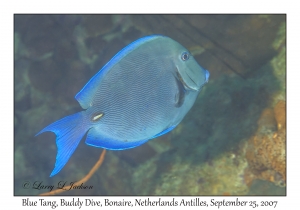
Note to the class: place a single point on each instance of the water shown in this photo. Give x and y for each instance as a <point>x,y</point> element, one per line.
<point>55,55</point>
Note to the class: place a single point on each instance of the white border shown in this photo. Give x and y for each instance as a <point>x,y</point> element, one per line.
<point>154,6</point>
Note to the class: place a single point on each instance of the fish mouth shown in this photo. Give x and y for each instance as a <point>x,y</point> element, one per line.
<point>186,86</point>
<point>207,74</point>
<point>192,80</point>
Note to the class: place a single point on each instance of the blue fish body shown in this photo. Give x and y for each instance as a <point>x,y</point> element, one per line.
<point>143,92</point>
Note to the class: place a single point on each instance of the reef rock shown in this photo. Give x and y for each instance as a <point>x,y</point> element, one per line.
<point>266,151</point>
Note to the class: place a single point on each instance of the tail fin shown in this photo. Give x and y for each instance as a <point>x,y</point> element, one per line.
<point>69,131</point>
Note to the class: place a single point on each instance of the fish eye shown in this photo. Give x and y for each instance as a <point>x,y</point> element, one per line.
<point>185,56</point>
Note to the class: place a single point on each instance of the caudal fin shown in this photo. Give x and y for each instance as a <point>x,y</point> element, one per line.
<point>69,131</point>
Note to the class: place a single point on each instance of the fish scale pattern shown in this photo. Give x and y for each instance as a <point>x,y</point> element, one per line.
<point>137,106</point>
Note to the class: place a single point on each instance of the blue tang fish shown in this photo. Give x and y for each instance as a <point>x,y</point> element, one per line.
<point>143,92</point>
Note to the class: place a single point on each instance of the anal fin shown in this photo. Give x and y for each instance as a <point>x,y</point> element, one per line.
<point>164,131</point>
<point>96,139</point>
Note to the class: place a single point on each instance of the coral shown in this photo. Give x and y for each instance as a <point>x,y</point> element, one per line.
<point>266,152</point>
<point>171,174</point>
<point>280,115</point>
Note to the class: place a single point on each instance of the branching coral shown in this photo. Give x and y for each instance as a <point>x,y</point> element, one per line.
<point>266,151</point>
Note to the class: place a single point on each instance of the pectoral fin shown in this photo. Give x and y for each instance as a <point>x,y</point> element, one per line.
<point>181,91</point>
